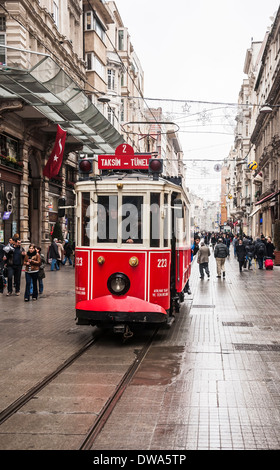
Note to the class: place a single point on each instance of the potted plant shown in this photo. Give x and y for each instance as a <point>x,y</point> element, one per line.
<point>277,242</point>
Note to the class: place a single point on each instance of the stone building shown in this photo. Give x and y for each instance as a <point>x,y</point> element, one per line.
<point>256,192</point>
<point>43,83</point>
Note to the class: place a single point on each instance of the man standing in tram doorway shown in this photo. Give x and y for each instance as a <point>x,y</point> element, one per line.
<point>220,253</point>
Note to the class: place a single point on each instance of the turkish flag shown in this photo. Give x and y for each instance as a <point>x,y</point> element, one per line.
<point>55,159</point>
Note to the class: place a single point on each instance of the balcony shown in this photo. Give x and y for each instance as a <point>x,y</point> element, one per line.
<point>11,162</point>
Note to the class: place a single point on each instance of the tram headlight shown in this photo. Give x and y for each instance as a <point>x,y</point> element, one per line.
<point>118,284</point>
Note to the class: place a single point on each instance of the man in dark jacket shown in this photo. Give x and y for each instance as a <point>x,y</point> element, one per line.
<point>220,253</point>
<point>15,256</point>
<point>260,252</point>
<point>53,255</point>
<point>250,253</point>
<point>2,264</point>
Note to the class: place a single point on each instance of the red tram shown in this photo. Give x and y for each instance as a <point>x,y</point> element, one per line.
<point>133,251</point>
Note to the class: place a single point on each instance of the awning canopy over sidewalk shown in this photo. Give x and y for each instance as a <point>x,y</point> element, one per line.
<point>48,89</point>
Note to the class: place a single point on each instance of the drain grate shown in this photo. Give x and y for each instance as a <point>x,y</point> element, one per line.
<point>203,306</point>
<point>257,347</point>
<point>237,323</point>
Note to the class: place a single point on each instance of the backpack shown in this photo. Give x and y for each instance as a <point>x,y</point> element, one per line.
<point>261,249</point>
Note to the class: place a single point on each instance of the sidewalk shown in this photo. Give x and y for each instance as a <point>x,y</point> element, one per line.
<point>36,337</point>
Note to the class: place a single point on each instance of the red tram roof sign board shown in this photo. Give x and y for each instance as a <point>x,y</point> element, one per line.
<point>124,159</point>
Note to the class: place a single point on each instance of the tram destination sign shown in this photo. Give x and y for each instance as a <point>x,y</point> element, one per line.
<point>124,159</point>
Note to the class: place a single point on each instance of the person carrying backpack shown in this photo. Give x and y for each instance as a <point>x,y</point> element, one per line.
<point>260,252</point>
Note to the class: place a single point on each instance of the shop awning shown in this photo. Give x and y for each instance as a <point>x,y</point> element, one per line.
<point>254,211</point>
<point>268,198</point>
<point>47,88</point>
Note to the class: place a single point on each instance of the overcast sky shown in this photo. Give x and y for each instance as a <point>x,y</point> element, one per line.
<point>190,51</point>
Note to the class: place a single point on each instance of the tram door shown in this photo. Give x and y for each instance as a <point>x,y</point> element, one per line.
<point>176,216</point>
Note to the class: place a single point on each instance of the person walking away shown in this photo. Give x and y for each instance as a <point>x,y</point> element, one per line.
<point>260,252</point>
<point>203,259</point>
<point>250,253</point>
<point>227,243</point>
<point>241,254</point>
<point>32,263</point>
<point>220,253</point>
<point>41,274</point>
<point>213,241</point>
<point>53,254</point>
<point>67,253</point>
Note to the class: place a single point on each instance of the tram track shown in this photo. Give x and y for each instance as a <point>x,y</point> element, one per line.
<point>24,399</point>
<point>89,428</point>
<point>109,406</point>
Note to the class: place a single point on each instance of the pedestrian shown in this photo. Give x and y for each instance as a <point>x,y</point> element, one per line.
<point>260,252</point>
<point>2,267</point>
<point>67,253</point>
<point>203,259</point>
<point>250,252</point>
<point>220,253</point>
<point>32,263</point>
<point>9,250</point>
<point>270,248</point>
<point>18,259</point>
<point>241,254</point>
<point>41,274</point>
<point>227,243</point>
<point>60,252</point>
<point>213,241</point>
<point>195,246</point>
<point>53,255</point>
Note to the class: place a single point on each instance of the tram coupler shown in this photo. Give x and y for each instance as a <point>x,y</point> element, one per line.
<point>128,333</point>
<point>119,328</point>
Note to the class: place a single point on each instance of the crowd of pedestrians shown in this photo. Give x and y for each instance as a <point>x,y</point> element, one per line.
<point>14,259</point>
<point>245,249</point>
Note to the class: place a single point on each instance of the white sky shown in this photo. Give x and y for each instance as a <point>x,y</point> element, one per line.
<point>195,50</point>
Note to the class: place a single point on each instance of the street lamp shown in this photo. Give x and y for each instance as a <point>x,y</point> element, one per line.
<point>265,109</point>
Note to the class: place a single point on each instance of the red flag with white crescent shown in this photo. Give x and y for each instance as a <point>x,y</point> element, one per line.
<point>55,159</point>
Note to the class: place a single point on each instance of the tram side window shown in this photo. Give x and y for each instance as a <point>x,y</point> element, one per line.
<point>155,219</point>
<point>85,219</point>
<point>132,230</point>
<point>107,219</point>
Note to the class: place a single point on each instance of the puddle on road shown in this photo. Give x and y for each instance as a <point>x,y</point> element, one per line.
<point>160,367</point>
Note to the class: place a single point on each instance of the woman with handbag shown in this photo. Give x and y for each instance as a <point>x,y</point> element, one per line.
<point>32,263</point>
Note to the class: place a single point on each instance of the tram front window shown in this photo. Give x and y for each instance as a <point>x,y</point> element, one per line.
<point>107,219</point>
<point>132,207</point>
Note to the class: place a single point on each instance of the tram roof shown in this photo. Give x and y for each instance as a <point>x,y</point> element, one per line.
<point>134,178</point>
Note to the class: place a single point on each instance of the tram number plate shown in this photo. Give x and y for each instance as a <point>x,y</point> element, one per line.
<point>162,263</point>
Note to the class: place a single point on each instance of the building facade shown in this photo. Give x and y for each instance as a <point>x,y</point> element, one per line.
<point>255,191</point>
<point>45,81</point>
